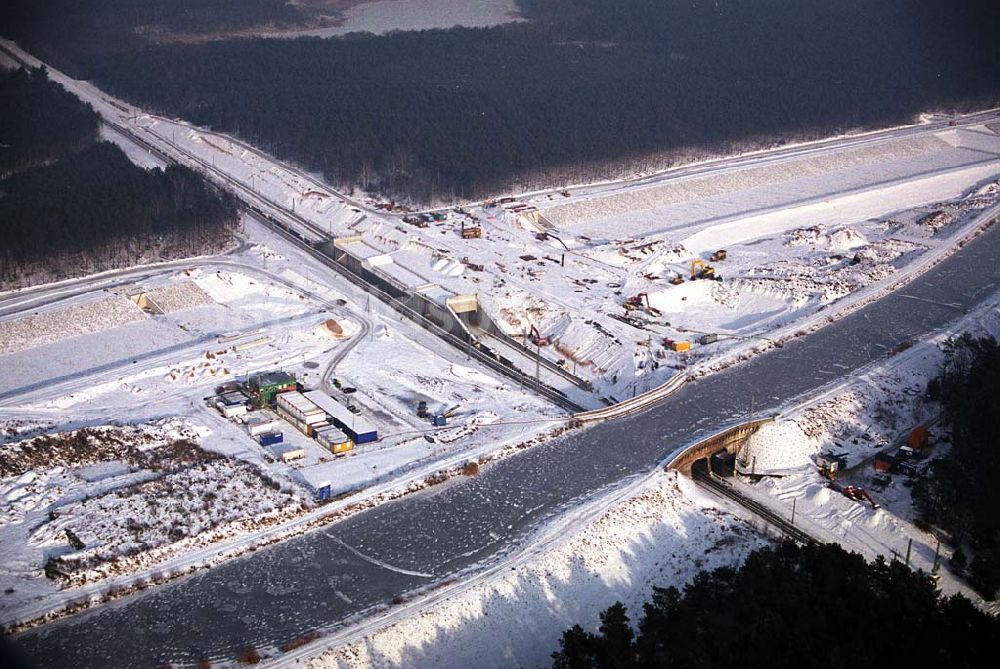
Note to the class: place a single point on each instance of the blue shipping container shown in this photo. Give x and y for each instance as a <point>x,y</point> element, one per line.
<point>324,493</point>
<point>269,438</point>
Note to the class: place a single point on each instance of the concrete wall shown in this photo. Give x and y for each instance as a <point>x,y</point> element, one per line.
<point>731,439</point>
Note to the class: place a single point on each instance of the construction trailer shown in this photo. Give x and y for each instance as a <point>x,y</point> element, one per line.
<point>232,404</point>
<point>334,440</point>
<point>831,464</point>
<point>260,422</point>
<point>358,428</point>
<point>680,346</point>
<point>300,412</point>
<point>287,452</point>
<point>269,384</point>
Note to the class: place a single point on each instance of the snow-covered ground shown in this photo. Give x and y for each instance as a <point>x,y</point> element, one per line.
<point>96,357</point>
<point>659,536</point>
<point>136,154</point>
<point>870,414</point>
<point>382,16</point>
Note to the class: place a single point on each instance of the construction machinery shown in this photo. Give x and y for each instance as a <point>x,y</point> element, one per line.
<point>641,301</point>
<point>677,280</point>
<point>718,255</point>
<point>471,231</point>
<point>536,337</point>
<point>699,270</point>
<point>677,345</point>
<point>859,495</point>
<point>422,409</point>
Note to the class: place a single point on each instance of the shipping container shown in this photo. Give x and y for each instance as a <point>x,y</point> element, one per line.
<point>300,412</point>
<point>334,440</point>
<point>270,438</point>
<point>709,339</point>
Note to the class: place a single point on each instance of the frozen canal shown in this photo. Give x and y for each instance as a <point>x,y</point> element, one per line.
<point>320,579</point>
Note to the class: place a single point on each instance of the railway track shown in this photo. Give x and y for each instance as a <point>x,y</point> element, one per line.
<point>703,477</point>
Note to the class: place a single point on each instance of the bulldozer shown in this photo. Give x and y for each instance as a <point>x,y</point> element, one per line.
<point>699,270</point>
<point>641,301</point>
<point>718,255</point>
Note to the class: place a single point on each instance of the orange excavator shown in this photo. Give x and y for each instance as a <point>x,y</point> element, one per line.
<point>860,495</point>
<point>640,301</point>
<point>537,339</point>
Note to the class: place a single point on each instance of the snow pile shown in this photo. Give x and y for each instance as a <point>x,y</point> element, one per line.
<point>179,296</point>
<point>585,344</point>
<point>80,319</point>
<point>750,178</point>
<point>847,239</point>
<point>448,266</point>
<point>519,310</point>
<point>209,366</point>
<point>660,537</point>
<point>22,494</point>
<point>937,219</point>
<point>775,448</point>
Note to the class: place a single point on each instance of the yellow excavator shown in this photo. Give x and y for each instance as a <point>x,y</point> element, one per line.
<point>699,270</point>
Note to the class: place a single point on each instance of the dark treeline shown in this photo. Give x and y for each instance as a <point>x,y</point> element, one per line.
<point>65,31</point>
<point>40,121</point>
<point>961,494</point>
<point>590,88</point>
<point>792,607</point>
<point>95,210</point>
<point>76,205</point>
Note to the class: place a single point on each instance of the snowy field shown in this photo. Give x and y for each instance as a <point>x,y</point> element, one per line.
<point>383,16</point>
<point>660,536</point>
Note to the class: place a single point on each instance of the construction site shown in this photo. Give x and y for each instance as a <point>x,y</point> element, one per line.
<point>351,351</point>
